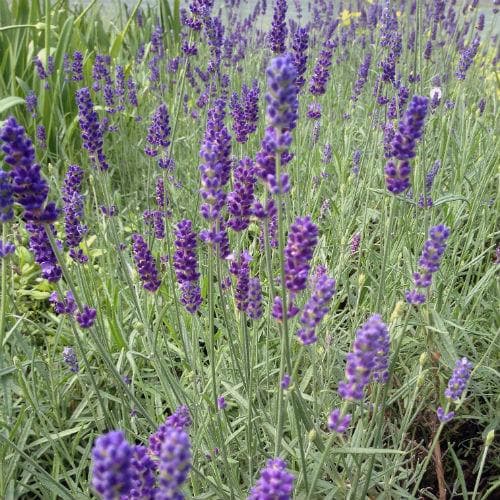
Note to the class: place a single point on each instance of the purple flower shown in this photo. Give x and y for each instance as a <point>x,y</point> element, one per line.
<point>314,111</point>
<point>215,171</point>
<point>77,66</point>
<point>31,103</point>
<point>254,304</point>
<point>410,129</point>
<point>174,463</point>
<point>239,119</point>
<point>277,310</point>
<point>41,136</point>
<point>299,52</point>
<point>69,357</point>
<point>111,465</point>
<point>91,132</point>
<point>250,101</point>
<point>355,241</point>
<point>39,244</point>
<point>356,158</point>
<point>338,422</point>
<point>100,71</point>
<point>327,154</point>
<point>429,263</point>
<point>241,269</point>
<point>158,132</point>
<point>86,317</point>
<point>73,212</point>
<point>368,359</point>
<point>277,34</point>
<point>180,419</point>
<point>66,305</point>
<point>302,239</point>
<point>221,403</point>
<point>467,58</point>
<point>132,93</point>
<point>240,200</point>
<point>29,189</point>
<point>119,90</point>
<point>42,74</point>
<point>321,73</point>
<point>275,482</point>
<point>6,248</point>
<point>315,309</point>
<point>459,379</point>
<point>185,265</point>
<point>143,472</point>
<point>145,263</point>
<point>443,416</point>
<point>285,381</point>
<point>362,76</point>
<point>6,197</point>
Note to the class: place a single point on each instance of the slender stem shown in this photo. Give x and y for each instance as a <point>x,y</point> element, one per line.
<point>480,472</point>
<point>387,249</point>
<point>3,291</point>
<point>211,338</point>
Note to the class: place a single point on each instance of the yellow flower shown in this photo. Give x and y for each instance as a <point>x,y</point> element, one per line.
<point>346,16</point>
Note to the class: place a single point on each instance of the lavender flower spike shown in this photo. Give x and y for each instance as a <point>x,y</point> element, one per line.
<point>368,359</point>
<point>111,465</point>
<point>410,129</point>
<point>69,357</point>
<point>146,266</point>
<point>275,482</point>
<point>459,379</point>
<point>279,31</point>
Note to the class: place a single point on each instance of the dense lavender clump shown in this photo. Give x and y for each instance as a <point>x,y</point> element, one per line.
<point>275,482</point>
<point>429,263</point>
<point>145,263</point>
<point>91,132</point>
<point>410,129</point>
<point>279,31</point>
<point>111,465</point>
<point>185,265</point>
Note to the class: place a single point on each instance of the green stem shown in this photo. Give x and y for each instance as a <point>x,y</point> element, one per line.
<point>387,248</point>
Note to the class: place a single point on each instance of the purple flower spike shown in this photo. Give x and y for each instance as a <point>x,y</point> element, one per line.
<point>181,419</point>
<point>443,416</point>
<point>338,422</point>
<point>402,146</point>
<point>315,309</point>
<point>279,31</point>
<point>321,74</point>
<point>6,248</point>
<point>42,249</point>
<point>185,265</point>
<point>275,482</point>
<point>142,474</point>
<point>459,379</point>
<point>86,318</point>
<point>29,189</point>
<point>174,464</point>
<point>73,212</point>
<point>429,263</point>
<point>285,381</point>
<point>146,266</point>
<point>66,305</point>
<point>6,197</point>
<point>299,51</point>
<point>302,240</point>
<point>241,269</point>
<point>221,403</point>
<point>111,465</point>
<point>368,359</point>
<point>250,101</point>
<point>240,200</point>
<point>91,131</point>
<point>254,305</point>
<point>158,132</point>
<point>69,357</point>
<point>314,111</point>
